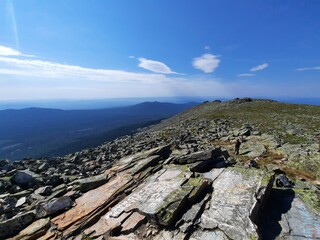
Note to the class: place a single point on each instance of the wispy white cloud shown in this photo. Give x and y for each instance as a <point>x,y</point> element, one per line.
<point>208,48</point>
<point>45,69</point>
<point>154,66</point>
<point>259,67</point>
<point>308,68</point>
<point>6,51</point>
<point>206,63</point>
<point>132,57</point>
<point>246,75</point>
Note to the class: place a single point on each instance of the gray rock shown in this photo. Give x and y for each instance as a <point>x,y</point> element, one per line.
<point>207,165</point>
<point>54,180</point>
<point>209,235</point>
<point>199,156</point>
<point>299,221</point>
<point>23,179</point>
<point>33,199</point>
<point>231,203</point>
<point>5,186</point>
<point>21,202</point>
<point>53,206</point>
<point>14,225</point>
<point>44,191</point>
<point>43,167</point>
<point>9,204</point>
<point>35,230</point>
<point>189,218</point>
<point>91,182</point>
<point>252,148</point>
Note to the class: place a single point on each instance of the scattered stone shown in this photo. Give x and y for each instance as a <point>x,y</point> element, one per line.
<point>44,191</point>
<point>23,179</point>
<point>251,163</point>
<point>14,225</point>
<point>35,230</point>
<point>53,206</point>
<point>92,182</point>
<point>21,202</point>
<point>5,186</point>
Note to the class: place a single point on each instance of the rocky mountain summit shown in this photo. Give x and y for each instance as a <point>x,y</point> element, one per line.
<point>180,179</point>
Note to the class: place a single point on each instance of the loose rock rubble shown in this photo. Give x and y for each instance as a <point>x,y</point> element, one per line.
<point>174,181</point>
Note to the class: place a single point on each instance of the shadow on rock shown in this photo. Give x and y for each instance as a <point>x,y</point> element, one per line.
<point>279,202</point>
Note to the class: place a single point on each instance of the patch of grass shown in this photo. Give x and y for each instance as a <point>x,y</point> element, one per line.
<point>294,139</point>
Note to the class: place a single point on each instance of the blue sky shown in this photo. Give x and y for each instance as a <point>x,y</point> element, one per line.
<point>97,49</point>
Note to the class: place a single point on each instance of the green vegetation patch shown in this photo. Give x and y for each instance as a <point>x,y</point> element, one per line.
<point>310,198</point>
<point>294,139</point>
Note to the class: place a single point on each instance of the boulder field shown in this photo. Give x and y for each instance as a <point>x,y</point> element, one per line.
<point>180,181</point>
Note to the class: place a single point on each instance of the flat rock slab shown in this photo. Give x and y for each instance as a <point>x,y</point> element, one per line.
<point>142,164</point>
<point>165,235</point>
<point>299,221</point>
<point>90,201</point>
<point>105,225</point>
<point>87,184</point>
<point>231,203</point>
<point>34,230</point>
<point>132,222</point>
<point>14,225</point>
<point>213,174</point>
<point>252,148</point>
<point>149,196</point>
<point>199,156</point>
<point>208,235</point>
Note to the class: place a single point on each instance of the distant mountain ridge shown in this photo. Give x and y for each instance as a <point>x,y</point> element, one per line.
<point>38,132</point>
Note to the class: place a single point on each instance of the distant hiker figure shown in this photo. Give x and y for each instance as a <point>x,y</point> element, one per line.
<point>237,147</point>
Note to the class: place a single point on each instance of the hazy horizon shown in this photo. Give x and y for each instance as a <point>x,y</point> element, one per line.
<point>83,104</point>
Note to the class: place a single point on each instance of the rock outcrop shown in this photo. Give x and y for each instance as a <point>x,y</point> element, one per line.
<point>177,180</point>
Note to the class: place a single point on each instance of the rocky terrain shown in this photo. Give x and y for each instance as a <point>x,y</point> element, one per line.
<point>179,179</point>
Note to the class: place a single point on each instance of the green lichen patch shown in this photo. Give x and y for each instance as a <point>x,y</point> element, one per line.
<point>310,198</point>
<point>170,208</point>
<point>197,186</point>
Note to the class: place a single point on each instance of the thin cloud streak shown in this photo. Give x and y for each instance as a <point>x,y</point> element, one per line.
<point>39,68</point>
<point>259,67</point>
<point>308,68</point>
<point>246,75</point>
